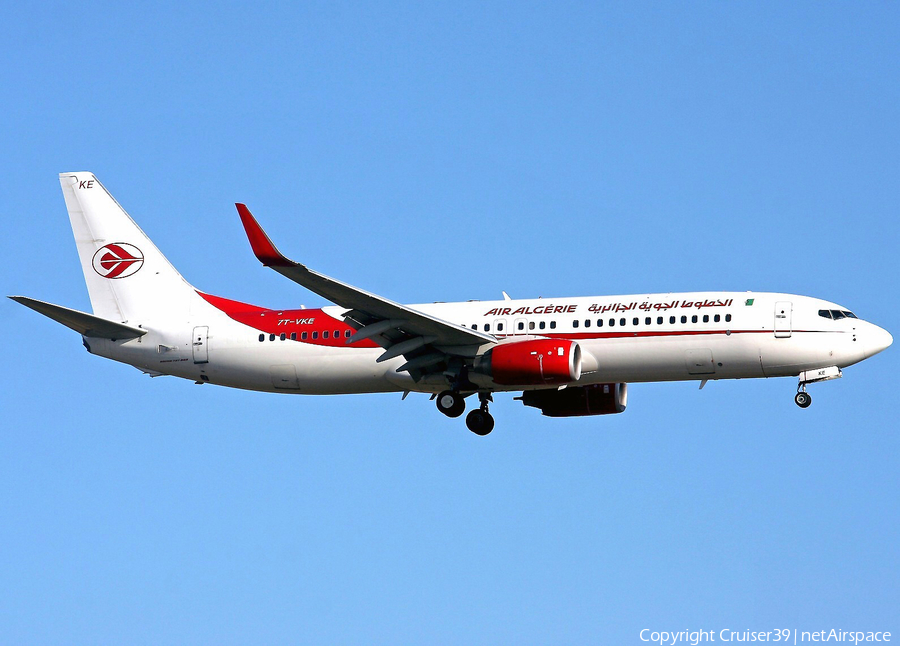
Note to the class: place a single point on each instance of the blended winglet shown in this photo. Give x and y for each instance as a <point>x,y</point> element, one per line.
<point>262,246</point>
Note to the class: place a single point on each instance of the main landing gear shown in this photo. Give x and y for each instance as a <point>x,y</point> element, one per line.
<point>479,421</point>
<point>451,403</point>
<point>802,398</point>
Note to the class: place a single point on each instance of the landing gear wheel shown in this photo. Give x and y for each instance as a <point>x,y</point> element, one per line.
<point>451,403</point>
<point>802,399</point>
<point>480,422</point>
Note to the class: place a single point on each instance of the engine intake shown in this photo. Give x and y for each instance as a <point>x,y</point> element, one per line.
<point>534,362</point>
<point>596,399</point>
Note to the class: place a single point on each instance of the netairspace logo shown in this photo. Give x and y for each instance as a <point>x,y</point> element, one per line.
<point>783,635</point>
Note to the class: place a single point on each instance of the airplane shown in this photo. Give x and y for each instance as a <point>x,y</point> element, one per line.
<point>567,356</point>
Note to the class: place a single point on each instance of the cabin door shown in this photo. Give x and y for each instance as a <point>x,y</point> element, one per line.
<point>783,319</point>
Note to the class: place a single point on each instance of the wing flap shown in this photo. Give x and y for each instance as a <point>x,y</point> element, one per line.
<point>83,323</point>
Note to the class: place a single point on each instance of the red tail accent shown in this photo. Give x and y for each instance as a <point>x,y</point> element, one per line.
<point>312,327</point>
<point>262,247</point>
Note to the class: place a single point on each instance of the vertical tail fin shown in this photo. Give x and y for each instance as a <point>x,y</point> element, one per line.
<point>127,277</point>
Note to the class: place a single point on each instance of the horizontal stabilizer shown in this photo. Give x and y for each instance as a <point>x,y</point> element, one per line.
<point>84,324</point>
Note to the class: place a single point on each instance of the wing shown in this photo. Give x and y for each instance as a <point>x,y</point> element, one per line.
<point>84,324</point>
<point>424,340</point>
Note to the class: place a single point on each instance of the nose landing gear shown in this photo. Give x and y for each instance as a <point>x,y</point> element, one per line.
<point>802,399</point>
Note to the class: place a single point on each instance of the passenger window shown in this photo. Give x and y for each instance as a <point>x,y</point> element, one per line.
<point>694,318</point>
<point>474,326</point>
<point>599,322</point>
<point>671,320</point>
<point>621,321</point>
<point>612,322</point>
<point>552,325</point>
<point>575,323</point>
<point>647,321</point>
<point>587,322</point>
<point>283,336</point>
<point>684,319</point>
<point>315,335</point>
<point>262,337</point>
<point>293,336</point>
<point>717,318</point>
<point>728,318</point>
<point>520,325</point>
<point>543,324</point>
<point>706,318</point>
<point>659,320</point>
<point>325,334</point>
<point>499,327</point>
<point>303,336</point>
<point>487,327</point>
<point>635,321</point>
<point>271,337</point>
<point>347,333</point>
<point>530,325</point>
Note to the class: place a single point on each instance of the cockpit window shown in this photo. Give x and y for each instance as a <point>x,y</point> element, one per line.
<point>837,315</point>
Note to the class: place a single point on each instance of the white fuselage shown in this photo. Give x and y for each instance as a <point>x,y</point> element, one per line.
<point>638,338</point>
<point>569,356</point>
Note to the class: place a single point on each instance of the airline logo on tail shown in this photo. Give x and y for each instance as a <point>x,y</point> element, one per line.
<point>118,260</point>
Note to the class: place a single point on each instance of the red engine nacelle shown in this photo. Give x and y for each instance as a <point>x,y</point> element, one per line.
<point>534,362</point>
<point>596,399</point>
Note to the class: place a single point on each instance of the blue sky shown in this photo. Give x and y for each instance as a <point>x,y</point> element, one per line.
<point>448,151</point>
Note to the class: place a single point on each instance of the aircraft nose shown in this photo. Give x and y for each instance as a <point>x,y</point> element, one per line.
<point>879,339</point>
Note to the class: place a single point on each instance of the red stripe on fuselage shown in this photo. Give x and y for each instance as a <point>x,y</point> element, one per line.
<point>581,336</point>
<point>654,333</point>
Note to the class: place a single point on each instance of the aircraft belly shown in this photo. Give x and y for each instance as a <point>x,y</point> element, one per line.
<point>343,371</point>
<point>673,359</point>
<point>289,366</point>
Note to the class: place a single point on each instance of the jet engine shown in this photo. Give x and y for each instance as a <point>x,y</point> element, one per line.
<point>534,362</point>
<point>596,399</point>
